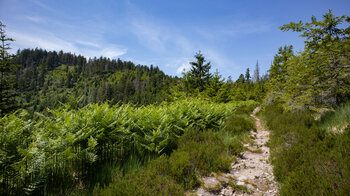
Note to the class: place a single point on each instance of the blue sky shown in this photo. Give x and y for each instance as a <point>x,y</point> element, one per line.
<point>232,34</point>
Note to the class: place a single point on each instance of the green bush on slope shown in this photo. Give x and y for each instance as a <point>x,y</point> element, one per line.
<point>307,159</point>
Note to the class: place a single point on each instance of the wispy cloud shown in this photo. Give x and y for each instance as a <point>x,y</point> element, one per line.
<point>44,6</point>
<point>149,35</point>
<point>87,43</point>
<point>49,41</point>
<point>35,19</point>
<point>112,52</point>
<point>159,38</point>
<point>235,29</point>
<point>155,34</point>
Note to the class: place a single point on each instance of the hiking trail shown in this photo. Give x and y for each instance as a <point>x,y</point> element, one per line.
<point>251,174</point>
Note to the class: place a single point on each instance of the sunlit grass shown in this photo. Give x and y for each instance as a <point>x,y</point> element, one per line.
<point>338,121</point>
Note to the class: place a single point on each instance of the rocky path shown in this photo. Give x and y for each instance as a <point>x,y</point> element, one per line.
<point>250,175</point>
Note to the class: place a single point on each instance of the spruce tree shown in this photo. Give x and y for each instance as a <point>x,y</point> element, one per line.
<point>247,75</point>
<point>321,72</point>
<point>7,76</point>
<point>199,75</point>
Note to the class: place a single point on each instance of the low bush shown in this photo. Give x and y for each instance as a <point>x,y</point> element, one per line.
<point>307,159</point>
<point>238,123</point>
<point>207,151</point>
<point>154,179</point>
<point>182,170</point>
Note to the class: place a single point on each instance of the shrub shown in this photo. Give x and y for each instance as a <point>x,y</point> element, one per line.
<point>207,150</point>
<point>307,159</point>
<point>182,170</point>
<point>151,180</point>
<point>237,124</point>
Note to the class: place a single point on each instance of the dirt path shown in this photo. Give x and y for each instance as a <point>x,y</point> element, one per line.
<point>250,175</point>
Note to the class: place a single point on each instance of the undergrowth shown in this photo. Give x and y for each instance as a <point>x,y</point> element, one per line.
<point>72,150</point>
<point>308,159</point>
<point>199,152</point>
<point>338,121</point>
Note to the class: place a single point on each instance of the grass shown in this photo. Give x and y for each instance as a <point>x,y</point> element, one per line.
<point>240,188</point>
<point>151,180</point>
<point>308,159</point>
<point>338,121</point>
<point>255,150</point>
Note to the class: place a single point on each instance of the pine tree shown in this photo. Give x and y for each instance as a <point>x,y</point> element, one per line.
<point>7,76</point>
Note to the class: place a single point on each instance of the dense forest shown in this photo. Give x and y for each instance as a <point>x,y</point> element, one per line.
<point>48,79</point>
<point>45,79</point>
<point>99,126</point>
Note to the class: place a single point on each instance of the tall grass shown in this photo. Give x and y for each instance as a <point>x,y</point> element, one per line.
<point>338,121</point>
<point>308,159</point>
<point>63,151</point>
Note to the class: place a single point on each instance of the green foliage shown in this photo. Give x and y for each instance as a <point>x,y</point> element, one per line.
<point>243,89</point>
<point>182,170</point>
<point>307,159</point>
<point>7,75</point>
<point>318,76</point>
<point>207,151</point>
<point>47,79</point>
<point>151,180</point>
<point>199,75</point>
<point>237,124</point>
<point>70,143</point>
<point>214,85</point>
<point>279,74</point>
<point>338,121</point>
<point>199,152</point>
<point>247,76</point>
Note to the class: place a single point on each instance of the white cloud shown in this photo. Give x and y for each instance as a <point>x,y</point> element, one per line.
<point>183,68</point>
<point>47,41</point>
<point>113,52</point>
<point>87,43</point>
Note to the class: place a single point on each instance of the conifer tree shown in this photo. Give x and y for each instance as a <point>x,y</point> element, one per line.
<point>247,75</point>
<point>322,71</point>
<point>199,75</point>
<point>240,79</point>
<point>7,77</point>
